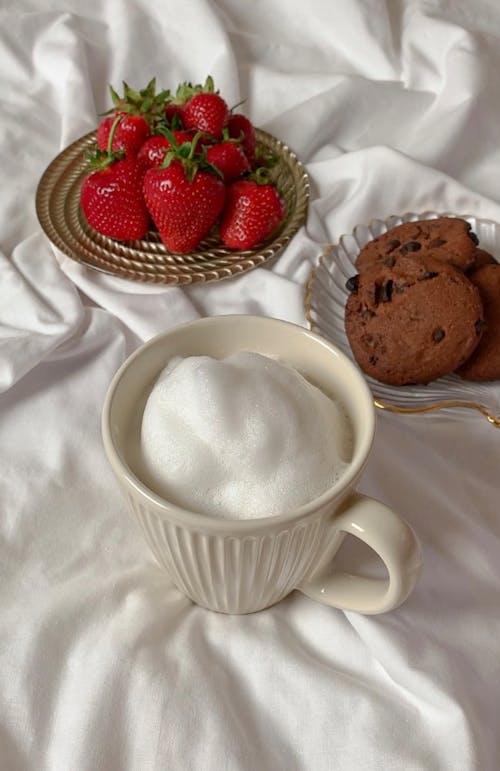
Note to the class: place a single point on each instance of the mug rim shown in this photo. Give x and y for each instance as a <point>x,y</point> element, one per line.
<point>169,511</point>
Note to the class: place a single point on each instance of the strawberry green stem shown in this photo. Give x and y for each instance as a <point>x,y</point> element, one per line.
<point>194,143</point>
<point>165,131</point>
<point>234,140</point>
<point>111,136</point>
<point>101,159</point>
<point>238,104</point>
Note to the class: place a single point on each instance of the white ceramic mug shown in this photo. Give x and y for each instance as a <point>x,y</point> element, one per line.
<point>246,565</point>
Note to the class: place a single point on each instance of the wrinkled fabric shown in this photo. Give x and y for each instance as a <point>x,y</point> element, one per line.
<point>104,665</point>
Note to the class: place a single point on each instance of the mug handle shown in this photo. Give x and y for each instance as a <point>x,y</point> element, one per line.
<point>395,543</point>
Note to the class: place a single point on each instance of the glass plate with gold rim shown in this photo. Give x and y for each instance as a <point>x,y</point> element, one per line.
<point>148,260</point>
<point>325,299</point>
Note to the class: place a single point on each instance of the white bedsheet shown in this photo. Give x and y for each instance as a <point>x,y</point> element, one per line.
<point>104,665</point>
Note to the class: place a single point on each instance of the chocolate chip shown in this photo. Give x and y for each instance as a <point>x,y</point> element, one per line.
<point>392,244</point>
<point>428,274</point>
<point>383,292</point>
<point>473,237</point>
<point>438,335</point>
<point>386,291</point>
<point>352,284</point>
<point>373,359</point>
<point>390,262</point>
<point>411,246</point>
<point>367,314</point>
<point>479,326</point>
<point>436,243</point>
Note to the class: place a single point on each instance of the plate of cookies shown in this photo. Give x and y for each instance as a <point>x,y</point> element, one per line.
<point>413,300</point>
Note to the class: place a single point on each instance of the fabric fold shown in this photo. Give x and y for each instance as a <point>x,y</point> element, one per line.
<point>39,308</point>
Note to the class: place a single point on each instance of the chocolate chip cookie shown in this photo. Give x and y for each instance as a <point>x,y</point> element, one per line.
<point>413,321</point>
<point>448,239</point>
<point>481,257</point>
<point>484,364</point>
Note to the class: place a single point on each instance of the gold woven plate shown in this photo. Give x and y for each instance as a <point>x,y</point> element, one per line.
<point>148,260</point>
<point>325,299</point>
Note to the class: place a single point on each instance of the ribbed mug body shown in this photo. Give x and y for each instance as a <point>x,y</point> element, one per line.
<point>235,572</point>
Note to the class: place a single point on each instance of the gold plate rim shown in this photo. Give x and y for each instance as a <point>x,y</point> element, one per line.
<point>148,260</point>
<point>382,404</point>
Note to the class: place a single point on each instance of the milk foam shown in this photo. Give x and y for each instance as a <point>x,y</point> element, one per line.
<point>240,438</point>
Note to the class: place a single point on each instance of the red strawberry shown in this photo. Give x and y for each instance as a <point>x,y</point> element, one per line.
<point>173,113</point>
<point>129,136</point>
<point>184,200</point>
<point>175,107</point>
<point>154,149</point>
<point>139,110</point>
<point>206,110</point>
<point>241,128</point>
<point>229,158</point>
<point>111,197</point>
<point>252,212</point>
<point>112,200</point>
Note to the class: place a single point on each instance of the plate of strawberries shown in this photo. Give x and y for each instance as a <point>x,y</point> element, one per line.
<point>173,188</point>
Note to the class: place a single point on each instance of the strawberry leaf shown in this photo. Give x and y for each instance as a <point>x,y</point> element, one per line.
<point>116,98</point>
<point>145,102</point>
<point>187,155</point>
